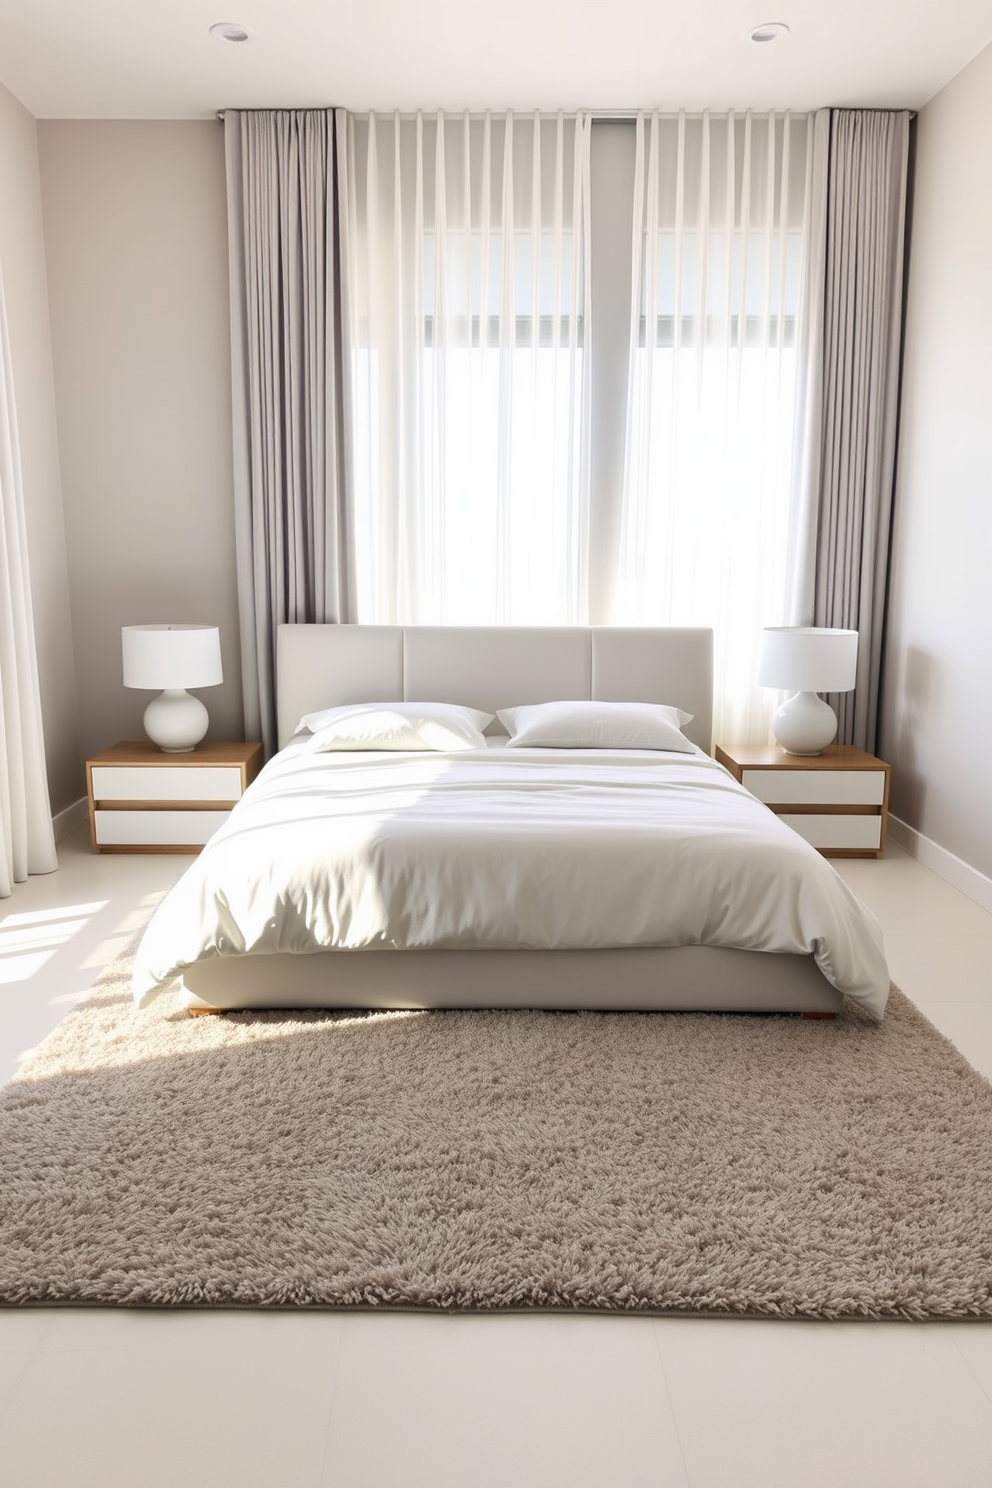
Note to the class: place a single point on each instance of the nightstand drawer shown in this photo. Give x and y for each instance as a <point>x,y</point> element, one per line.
<point>835,831</point>
<point>143,799</point>
<point>837,799</point>
<point>156,828</point>
<point>166,783</point>
<point>816,787</point>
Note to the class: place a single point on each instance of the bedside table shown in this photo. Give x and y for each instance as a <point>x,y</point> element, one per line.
<point>838,799</point>
<point>144,800</point>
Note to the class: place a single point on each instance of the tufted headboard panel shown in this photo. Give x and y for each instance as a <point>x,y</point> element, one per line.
<point>493,667</point>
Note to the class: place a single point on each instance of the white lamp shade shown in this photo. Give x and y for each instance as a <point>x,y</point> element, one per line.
<point>807,658</point>
<point>171,656</point>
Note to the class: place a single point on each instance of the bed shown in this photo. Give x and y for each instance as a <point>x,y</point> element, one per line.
<point>506,875</point>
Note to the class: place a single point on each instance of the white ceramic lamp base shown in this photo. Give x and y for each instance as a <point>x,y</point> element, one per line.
<point>805,724</point>
<point>176,721</point>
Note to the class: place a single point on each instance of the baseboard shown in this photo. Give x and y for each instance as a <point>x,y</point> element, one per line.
<point>72,817</point>
<point>954,870</point>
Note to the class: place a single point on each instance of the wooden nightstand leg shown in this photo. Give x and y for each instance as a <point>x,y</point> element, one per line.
<point>212,1012</point>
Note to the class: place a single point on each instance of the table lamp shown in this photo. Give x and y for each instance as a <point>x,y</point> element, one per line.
<point>807,659</point>
<point>173,657</point>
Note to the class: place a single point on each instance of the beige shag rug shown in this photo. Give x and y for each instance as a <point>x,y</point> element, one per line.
<point>762,1166</point>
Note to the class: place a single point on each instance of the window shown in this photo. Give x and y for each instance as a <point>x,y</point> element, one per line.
<point>489,383</point>
<point>470,294</point>
<point>708,480</point>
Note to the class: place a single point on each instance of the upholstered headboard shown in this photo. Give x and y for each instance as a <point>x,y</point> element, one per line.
<point>493,667</point>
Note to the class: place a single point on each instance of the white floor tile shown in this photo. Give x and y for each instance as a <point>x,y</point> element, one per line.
<point>952,968</point>
<point>143,1399</point>
<point>22,1332</point>
<point>58,931</point>
<point>819,1405</point>
<point>490,1401</point>
<point>908,897</point>
<point>969,1027</point>
<point>973,1342</point>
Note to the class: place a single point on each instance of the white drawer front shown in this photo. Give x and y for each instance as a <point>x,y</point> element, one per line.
<point>817,787</point>
<point>166,783</point>
<point>837,830</point>
<point>156,828</point>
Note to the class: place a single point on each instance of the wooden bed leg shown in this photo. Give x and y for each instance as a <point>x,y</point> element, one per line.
<point>204,1012</point>
<point>818,1013</point>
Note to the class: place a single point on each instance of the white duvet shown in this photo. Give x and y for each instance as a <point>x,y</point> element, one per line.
<point>508,848</point>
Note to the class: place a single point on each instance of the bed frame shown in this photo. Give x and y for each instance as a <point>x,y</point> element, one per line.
<point>322,666</point>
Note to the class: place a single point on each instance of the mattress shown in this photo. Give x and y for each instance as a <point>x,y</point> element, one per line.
<point>508,849</point>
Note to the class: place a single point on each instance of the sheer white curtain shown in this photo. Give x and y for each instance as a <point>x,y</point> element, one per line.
<point>467,239</point>
<point>27,840</point>
<point>720,247</point>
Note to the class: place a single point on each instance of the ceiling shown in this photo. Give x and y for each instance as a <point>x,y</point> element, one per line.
<point>131,59</point>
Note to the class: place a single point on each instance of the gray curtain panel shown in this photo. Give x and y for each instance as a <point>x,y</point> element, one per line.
<point>866,188</point>
<point>292,446</point>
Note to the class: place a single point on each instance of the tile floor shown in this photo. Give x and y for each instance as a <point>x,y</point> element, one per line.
<point>133,1399</point>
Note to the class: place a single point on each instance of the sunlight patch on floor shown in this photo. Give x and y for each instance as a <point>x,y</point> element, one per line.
<point>29,939</point>
<point>123,933</point>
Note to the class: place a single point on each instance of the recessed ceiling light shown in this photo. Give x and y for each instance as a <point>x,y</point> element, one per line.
<point>231,31</point>
<point>770,31</point>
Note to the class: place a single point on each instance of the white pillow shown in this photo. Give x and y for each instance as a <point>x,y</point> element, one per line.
<point>595,725</point>
<point>420,726</point>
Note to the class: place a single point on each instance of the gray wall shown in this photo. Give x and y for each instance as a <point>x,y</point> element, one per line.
<point>937,691</point>
<point>136,243</point>
<point>22,255</point>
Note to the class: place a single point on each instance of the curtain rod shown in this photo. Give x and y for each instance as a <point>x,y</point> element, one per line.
<point>620,116</point>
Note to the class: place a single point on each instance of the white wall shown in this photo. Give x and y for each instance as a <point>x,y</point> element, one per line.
<point>936,724</point>
<point>136,243</point>
<point>22,256</point>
